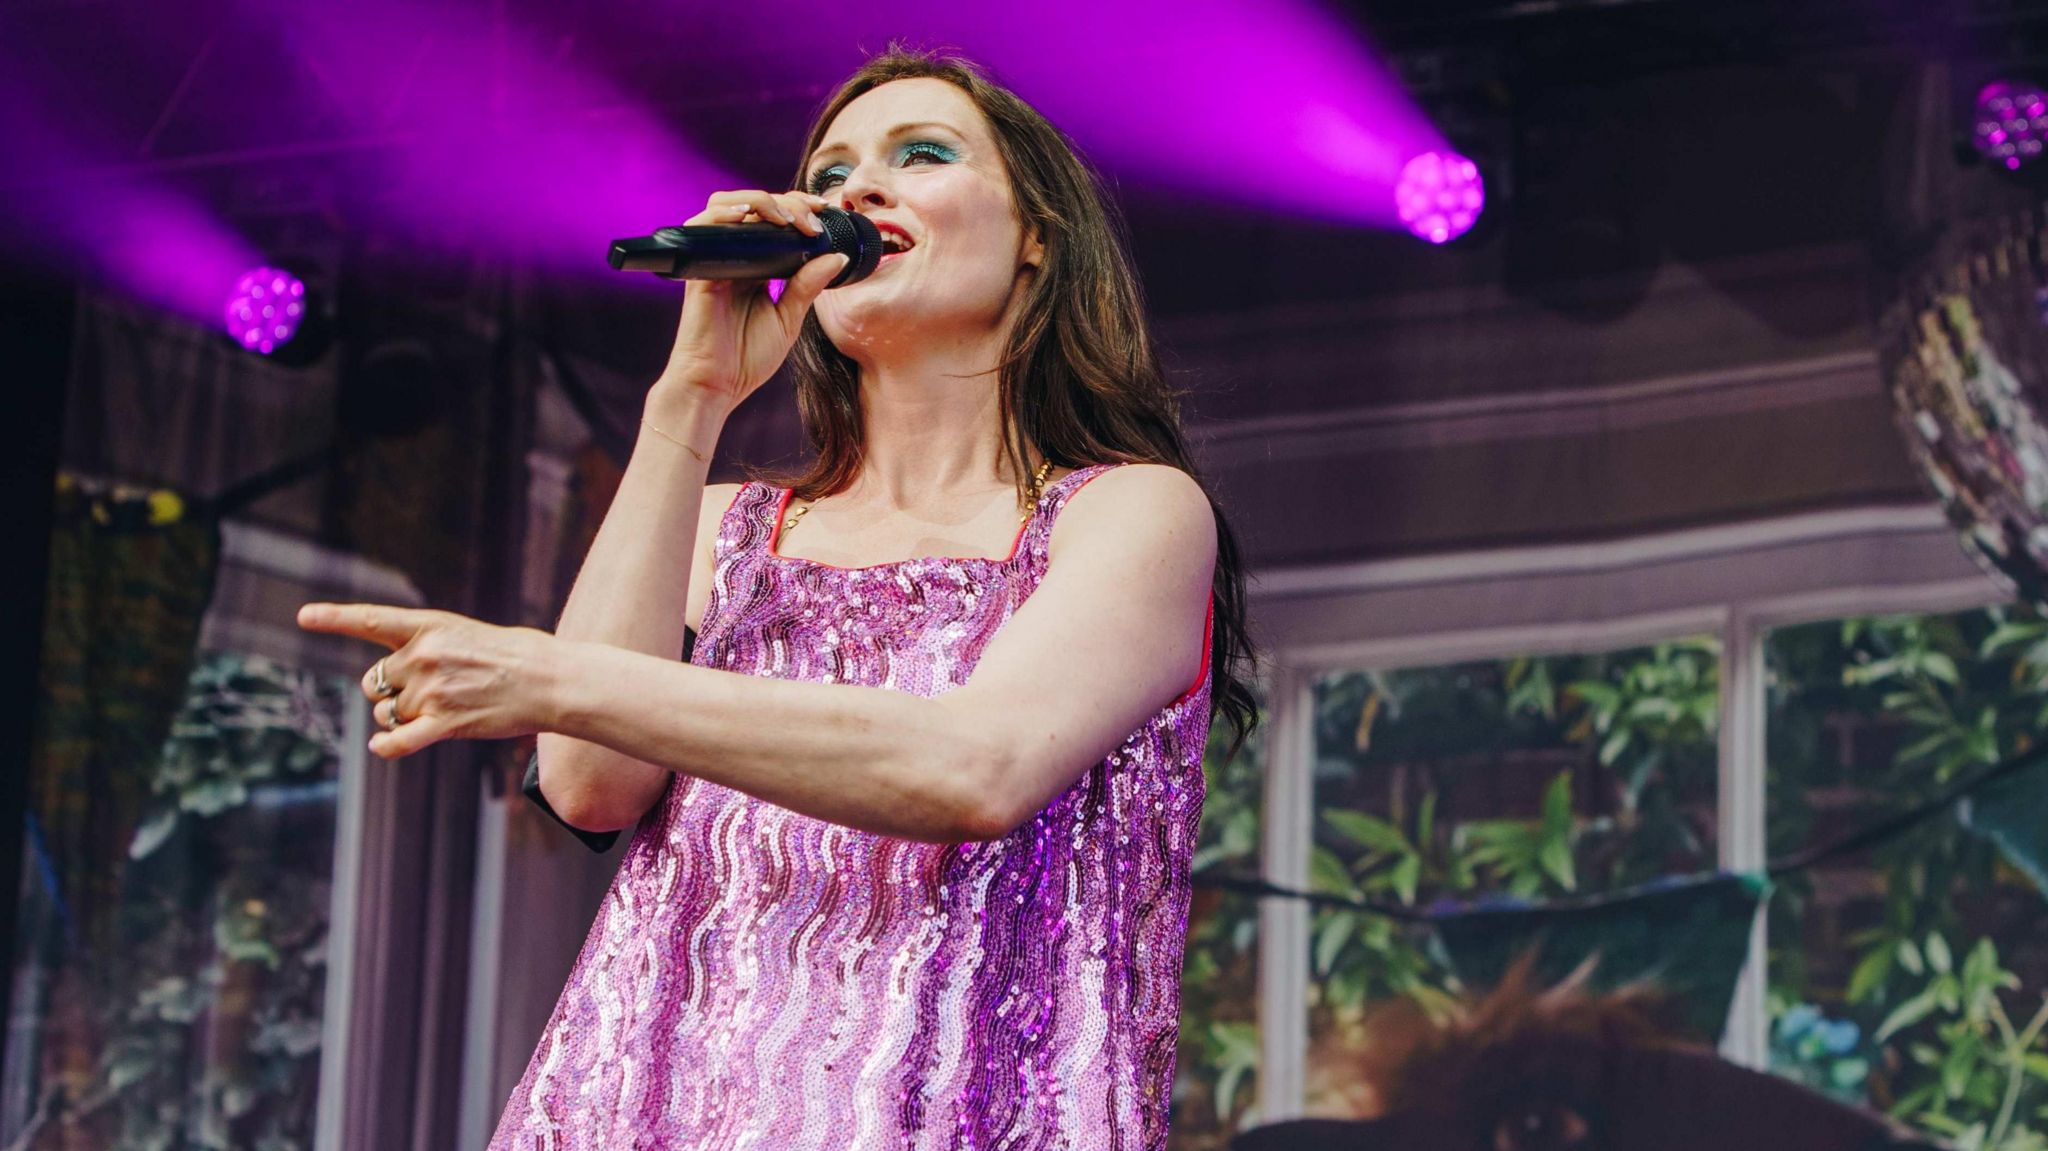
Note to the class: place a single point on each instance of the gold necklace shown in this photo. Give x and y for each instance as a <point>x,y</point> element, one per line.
<point>1037,489</point>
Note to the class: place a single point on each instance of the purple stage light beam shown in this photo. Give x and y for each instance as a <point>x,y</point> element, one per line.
<point>1271,104</point>
<point>61,207</point>
<point>2011,122</point>
<point>504,146</point>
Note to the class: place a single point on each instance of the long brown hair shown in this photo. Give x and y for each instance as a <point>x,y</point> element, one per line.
<point>1079,378</point>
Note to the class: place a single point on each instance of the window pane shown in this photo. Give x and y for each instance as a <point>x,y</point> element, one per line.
<point>1215,1086</point>
<point>194,1017</point>
<point>1537,777</point>
<point>1910,975</point>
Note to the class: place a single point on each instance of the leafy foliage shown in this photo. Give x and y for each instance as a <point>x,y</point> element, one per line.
<point>1547,776</point>
<point>224,923</point>
<point>1979,1067</point>
<point>1889,711</point>
<point>1217,1059</point>
<point>1536,777</point>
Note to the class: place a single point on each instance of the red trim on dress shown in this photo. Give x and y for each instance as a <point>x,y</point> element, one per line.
<point>1208,638</point>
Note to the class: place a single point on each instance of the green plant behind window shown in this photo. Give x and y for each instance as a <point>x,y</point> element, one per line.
<point>1871,717</point>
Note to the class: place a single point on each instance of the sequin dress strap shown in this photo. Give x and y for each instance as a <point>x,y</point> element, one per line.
<point>740,532</point>
<point>747,522</point>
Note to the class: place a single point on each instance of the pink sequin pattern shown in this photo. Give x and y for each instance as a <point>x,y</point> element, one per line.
<point>759,980</point>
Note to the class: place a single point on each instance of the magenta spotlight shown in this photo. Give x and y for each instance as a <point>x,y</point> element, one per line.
<point>265,309</point>
<point>1439,195</point>
<point>2012,121</point>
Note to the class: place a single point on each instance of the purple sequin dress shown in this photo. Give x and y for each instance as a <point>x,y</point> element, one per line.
<point>762,980</point>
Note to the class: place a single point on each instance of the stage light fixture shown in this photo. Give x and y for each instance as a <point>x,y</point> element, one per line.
<point>2011,122</point>
<point>1439,196</point>
<point>265,309</point>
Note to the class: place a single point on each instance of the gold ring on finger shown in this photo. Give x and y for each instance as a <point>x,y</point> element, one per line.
<point>382,686</point>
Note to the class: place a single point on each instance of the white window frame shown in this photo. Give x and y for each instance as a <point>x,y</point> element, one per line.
<point>1736,581</point>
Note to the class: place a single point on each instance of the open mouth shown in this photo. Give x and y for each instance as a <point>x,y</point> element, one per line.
<point>895,243</point>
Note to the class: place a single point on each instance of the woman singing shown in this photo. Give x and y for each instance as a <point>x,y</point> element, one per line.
<point>914,820</point>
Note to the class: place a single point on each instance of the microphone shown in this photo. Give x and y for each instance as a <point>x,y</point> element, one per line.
<point>760,251</point>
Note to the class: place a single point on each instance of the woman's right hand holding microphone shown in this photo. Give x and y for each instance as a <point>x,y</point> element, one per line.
<point>732,336</point>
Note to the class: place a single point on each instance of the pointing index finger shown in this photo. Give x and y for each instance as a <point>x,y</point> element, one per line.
<point>390,626</point>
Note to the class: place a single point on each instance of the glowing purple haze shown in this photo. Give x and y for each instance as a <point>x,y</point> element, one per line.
<point>1272,103</point>
<point>148,241</point>
<point>479,141</point>
<point>496,143</point>
<point>479,137</point>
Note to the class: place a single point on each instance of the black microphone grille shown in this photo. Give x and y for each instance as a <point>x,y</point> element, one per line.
<point>856,237</point>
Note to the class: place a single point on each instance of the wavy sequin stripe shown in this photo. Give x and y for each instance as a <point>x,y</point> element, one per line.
<point>760,979</point>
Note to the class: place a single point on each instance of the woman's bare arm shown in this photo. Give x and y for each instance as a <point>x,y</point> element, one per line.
<point>634,592</point>
<point>1111,634</point>
<point>631,593</point>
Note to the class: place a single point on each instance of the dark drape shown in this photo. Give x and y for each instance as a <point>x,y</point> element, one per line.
<point>1689,936</point>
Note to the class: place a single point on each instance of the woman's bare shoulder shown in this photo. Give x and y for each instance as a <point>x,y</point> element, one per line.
<point>1141,498</point>
<point>1150,486</point>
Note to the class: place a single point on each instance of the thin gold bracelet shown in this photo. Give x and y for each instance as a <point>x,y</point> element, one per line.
<point>672,439</point>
